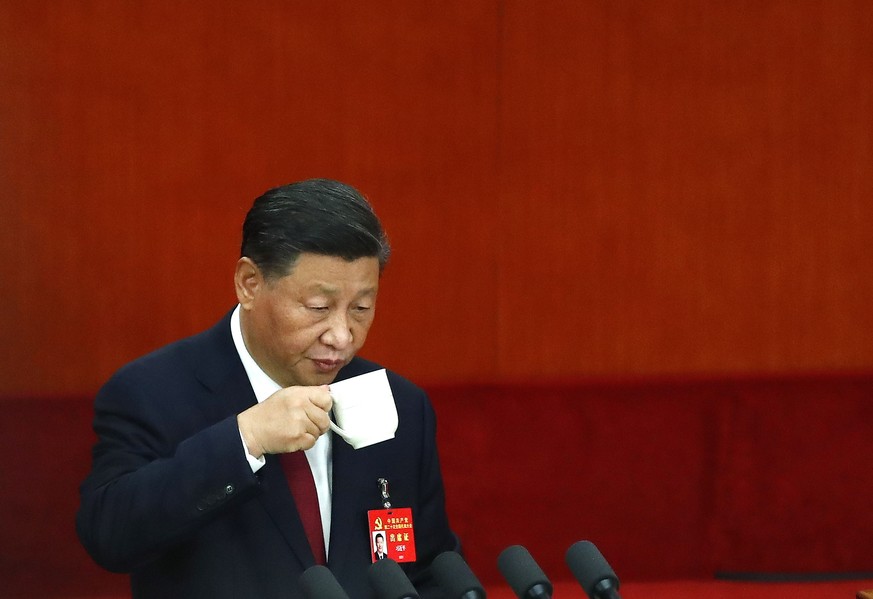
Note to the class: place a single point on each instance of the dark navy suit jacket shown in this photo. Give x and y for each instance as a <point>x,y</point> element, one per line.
<point>172,500</point>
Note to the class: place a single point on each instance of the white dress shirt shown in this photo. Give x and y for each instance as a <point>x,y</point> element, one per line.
<point>318,456</point>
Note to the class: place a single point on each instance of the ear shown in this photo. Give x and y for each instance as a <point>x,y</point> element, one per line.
<point>247,280</point>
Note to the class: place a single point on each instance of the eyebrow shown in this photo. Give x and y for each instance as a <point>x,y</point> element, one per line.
<point>331,290</point>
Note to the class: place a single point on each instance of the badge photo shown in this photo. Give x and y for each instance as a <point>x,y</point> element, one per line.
<point>392,534</point>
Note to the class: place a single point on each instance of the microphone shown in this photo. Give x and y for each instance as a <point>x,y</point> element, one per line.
<point>523,574</point>
<point>317,582</point>
<point>455,576</point>
<point>390,581</point>
<point>591,570</point>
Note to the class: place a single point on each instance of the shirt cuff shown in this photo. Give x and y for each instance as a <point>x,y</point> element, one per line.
<point>255,463</point>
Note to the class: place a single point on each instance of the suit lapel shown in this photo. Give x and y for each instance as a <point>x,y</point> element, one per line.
<point>347,518</point>
<point>220,370</point>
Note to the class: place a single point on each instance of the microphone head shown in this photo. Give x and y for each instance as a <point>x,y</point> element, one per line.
<point>455,576</point>
<point>317,582</point>
<point>390,581</point>
<point>522,573</point>
<point>590,568</point>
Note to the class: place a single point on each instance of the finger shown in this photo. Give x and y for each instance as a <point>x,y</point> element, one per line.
<point>322,421</point>
<point>320,396</point>
<point>308,440</point>
<point>319,418</point>
<point>304,437</point>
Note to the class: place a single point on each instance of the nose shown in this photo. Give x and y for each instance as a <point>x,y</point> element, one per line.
<point>338,334</point>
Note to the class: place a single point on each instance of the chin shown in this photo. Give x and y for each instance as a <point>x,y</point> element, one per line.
<point>321,378</point>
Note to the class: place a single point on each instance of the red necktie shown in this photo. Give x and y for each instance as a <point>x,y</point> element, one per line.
<point>302,485</point>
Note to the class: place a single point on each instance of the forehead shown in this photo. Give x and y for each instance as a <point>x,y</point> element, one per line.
<point>332,274</point>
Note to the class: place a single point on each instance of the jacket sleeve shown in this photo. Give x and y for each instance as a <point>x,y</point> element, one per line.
<point>158,475</point>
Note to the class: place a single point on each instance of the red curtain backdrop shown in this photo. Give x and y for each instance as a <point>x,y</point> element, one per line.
<point>573,190</point>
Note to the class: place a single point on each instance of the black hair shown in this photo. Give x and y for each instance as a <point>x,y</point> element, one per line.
<point>319,216</point>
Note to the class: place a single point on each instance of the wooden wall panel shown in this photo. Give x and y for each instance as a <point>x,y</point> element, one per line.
<point>689,186</point>
<point>572,189</point>
<point>137,135</point>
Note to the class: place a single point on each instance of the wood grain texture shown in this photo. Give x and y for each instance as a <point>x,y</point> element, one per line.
<point>573,190</point>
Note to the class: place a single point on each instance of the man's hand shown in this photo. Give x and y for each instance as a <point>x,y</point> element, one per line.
<point>291,419</point>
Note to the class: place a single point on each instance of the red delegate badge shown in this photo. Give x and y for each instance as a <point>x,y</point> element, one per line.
<point>391,534</point>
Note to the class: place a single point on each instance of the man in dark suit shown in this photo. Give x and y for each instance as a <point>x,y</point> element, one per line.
<point>187,490</point>
<point>380,547</point>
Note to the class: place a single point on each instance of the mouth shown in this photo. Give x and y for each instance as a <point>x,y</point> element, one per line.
<point>326,366</point>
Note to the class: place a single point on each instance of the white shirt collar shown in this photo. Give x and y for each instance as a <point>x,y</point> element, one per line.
<point>262,384</point>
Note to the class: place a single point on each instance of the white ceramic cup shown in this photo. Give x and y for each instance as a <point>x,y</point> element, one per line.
<point>364,409</point>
